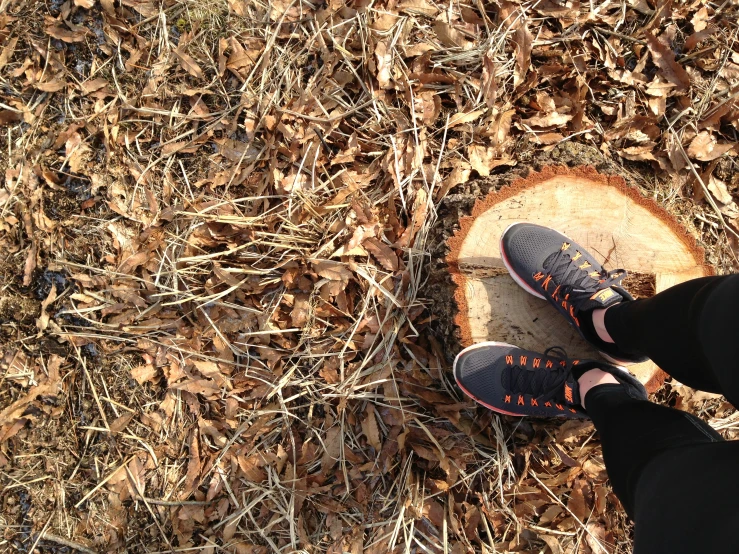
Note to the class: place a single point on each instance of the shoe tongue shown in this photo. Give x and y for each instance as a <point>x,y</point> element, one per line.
<point>602,299</point>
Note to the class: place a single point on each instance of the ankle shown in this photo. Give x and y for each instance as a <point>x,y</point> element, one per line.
<point>592,378</point>
<point>599,324</point>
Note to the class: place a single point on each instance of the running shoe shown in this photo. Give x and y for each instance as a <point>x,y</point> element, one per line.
<point>549,265</point>
<point>517,382</point>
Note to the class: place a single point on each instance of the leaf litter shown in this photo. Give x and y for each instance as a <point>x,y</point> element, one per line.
<point>215,330</point>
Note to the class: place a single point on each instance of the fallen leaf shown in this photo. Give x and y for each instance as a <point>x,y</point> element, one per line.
<point>382,253</point>
<point>7,52</point>
<point>553,119</point>
<point>65,34</point>
<point>384,64</point>
<point>188,63</point>
<point>719,190</point>
<point>704,147</point>
<point>664,58</point>
<point>461,118</point>
<point>552,542</point>
<point>120,423</point>
<point>700,19</point>
<point>144,373</point>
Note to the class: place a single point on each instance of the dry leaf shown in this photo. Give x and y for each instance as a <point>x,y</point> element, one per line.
<point>63,33</point>
<point>719,190</point>
<point>461,118</point>
<point>382,253</point>
<point>664,58</point>
<point>188,63</point>
<point>384,64</point>
<point>700,19</point>
<point>553,119</point>
<point>704,147</point>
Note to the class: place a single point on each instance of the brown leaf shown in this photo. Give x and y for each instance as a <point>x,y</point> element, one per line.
<point>370,428</point>
<point>552,543</point>
<point>238,7</point>
<point>7,52</point>
<point>483,159</point>
<point>638,153</point>
<point>188,63</point>
<point>664,58</point>
<point>63,33</point>
<point>719,190</point>
<point>335,271</point>
<point>700,19</point>
<point>523,39</point>
<point>120,423</point>
<point>577,504</point>
<point>144,373</point>
<point>461,118</point>
<point>382,253</point>
<point>384,64</point>
<point>132,262</point>
<point>87,4</point>
<point>704,147</point>
<point>553,119</point>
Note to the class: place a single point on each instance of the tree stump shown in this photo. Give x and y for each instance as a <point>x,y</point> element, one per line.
<point>600,212</point>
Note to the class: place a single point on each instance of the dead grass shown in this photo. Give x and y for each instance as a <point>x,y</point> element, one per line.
<point>223,212</point>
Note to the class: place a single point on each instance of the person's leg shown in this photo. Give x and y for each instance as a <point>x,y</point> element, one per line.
<point>688,330</point>
<point>633,432</point>
<point>672,471</point>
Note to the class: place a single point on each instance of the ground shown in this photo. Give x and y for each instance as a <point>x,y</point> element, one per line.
<point>225,322</point>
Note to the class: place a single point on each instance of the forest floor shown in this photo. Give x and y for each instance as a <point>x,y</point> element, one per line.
<point>223,321</point>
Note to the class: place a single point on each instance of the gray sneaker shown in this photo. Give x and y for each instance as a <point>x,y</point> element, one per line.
<point>549,265</point>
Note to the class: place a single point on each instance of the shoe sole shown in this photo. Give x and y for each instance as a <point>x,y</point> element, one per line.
<point>467,392</point>
<point>520,282</point>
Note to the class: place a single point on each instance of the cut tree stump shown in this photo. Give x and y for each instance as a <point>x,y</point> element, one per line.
<point>600,212</point>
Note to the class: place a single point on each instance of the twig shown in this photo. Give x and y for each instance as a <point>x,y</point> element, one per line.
<point>46,536</point>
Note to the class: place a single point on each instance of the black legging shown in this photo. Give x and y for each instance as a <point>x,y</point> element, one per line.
<point>676,477</point>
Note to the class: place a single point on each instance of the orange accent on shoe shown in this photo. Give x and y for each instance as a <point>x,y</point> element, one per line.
<point>572,311</point>
<point>534,402</point>
<point>507,399</point>
<point>568,393</point>
<point>549,364</point>
<point>577,256</point>
<point>554,294</point>
<point>548,404</point>
<point>560,407</point>
<point>585,265</point>
<point>576,362</point>
<point>573,411</point>
<point>520,400</point>
<point>523,360</point>
<point>546,282</point>
<point>565,246</point>
<point>595,275</point>
<point>577,321</point>
<point>509,359</point>
<point>562,363</point>
<point>538,276</point>
<point>537,361</point>
<point>564,304</point>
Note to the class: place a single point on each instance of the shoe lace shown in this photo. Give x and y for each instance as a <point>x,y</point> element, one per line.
<point>543,384</point>
<point>572,281</point>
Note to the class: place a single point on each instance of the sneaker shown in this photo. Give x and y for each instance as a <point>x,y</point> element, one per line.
<point>517,382</point>
<point>549,265</point>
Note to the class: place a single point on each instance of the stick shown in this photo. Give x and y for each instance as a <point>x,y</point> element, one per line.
<point>46,536</point>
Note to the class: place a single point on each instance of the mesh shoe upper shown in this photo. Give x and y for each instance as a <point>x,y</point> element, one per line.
<point>514,381</point>
<point>549,265</point>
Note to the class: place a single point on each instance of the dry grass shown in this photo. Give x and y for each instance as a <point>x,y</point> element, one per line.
<point>218,216</point>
